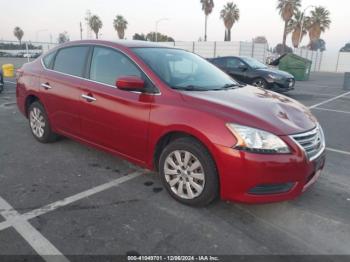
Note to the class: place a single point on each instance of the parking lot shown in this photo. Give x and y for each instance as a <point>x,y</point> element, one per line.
<point>68,199</point>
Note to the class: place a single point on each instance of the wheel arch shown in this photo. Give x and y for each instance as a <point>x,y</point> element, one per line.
<point>171,135</point>
<point>30,99</point>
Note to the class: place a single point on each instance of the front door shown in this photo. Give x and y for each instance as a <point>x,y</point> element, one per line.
<point>237,69</point>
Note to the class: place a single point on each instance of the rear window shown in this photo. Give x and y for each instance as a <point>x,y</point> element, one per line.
<point>71,60</point>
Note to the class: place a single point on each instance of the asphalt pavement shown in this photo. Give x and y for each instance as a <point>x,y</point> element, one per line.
<point>69,199</point>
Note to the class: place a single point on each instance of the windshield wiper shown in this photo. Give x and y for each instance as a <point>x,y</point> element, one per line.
<point>188,88</point>
<point>229,86</point>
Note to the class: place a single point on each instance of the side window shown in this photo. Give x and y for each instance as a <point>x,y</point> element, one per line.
<point>48,60</point>
<point>221,62</point>
<point>234,63</point>
<point>71,60</point>
<point>108,65</point>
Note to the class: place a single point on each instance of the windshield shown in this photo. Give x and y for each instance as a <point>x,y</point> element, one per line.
<point>253,63</point>
<point>184,70</point>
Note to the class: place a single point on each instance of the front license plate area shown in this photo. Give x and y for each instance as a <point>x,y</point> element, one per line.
<point>319,163</point>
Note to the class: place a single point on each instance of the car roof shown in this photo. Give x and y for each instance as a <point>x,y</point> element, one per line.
<point>122,43</point>
<point>231,56</point>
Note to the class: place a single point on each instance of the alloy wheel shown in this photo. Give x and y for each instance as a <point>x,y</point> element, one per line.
<point>37,122</point>
<point>259,83</point>
<point>184,174</point>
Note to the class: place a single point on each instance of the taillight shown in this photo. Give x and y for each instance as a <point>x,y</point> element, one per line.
<point>19,73</point>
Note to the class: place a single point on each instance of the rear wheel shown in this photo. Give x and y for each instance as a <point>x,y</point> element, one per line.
<point>39,123</point>
<point>188,172</point>
<point>260,82</point>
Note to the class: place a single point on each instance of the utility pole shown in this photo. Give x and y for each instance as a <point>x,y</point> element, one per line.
<point>81,31</point>
<point>157,22</point>
<point>88,29</point>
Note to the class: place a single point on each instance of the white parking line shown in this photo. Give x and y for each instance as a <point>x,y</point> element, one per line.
<point>331,110</point>
<point>338,151</point>
<point>329,100</point>
<point>36,240</point>
<point>87,193</point>
<point>69,200</point>
<point>39,243</point>
<point>10,82</point>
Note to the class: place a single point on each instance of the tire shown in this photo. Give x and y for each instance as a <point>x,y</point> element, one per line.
<point>39,123</point>
<point>202,180</point>
<point>260,82</point>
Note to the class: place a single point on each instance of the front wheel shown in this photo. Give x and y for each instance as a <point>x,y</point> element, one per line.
<point>260,82</point>
<point>188,172</point>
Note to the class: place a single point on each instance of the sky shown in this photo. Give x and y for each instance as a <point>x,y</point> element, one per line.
<point>42,20</point>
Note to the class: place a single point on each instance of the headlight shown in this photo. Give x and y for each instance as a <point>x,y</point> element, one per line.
<point>276,77</point>
<point>257,141</point>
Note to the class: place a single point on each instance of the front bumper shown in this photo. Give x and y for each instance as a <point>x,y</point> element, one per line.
<point>262,178</point>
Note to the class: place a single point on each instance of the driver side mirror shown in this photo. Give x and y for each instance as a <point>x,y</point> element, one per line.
<point>243,68</point>
<point>130,83</point>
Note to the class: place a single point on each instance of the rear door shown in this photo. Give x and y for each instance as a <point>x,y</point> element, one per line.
<point>113,118</point>
<point>61,87</point>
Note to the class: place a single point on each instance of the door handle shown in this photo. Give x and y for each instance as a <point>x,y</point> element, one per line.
<point>88,98</point>
<point>46,86</point>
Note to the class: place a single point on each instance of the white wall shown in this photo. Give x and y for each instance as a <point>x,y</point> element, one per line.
<point>216,49</point>
<point>227,48</point>
<point>344,62</point>
<point>327,61</point>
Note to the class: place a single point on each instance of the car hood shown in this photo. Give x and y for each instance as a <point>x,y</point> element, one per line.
<point>275,71</point>
<point>255,107</point>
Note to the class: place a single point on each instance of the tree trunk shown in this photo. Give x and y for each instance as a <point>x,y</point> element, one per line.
<point>96,35</point>
<point>229,34</point>
<point>205,28</point>
<point>284,37</point>
<point>296,37</point>
<point>225,35</point>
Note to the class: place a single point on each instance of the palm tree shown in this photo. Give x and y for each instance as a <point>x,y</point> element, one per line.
<point>287,8</point>
<point>318,22</point>
<point>120,24</point>
<point>295,25</point>
<point>230,15</point>
<point>207,7</point>
<point>95,24</point>
<point>18,32</point>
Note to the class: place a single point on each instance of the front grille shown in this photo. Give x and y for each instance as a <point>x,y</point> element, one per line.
<point>312,142</point>
<point>271,189</point>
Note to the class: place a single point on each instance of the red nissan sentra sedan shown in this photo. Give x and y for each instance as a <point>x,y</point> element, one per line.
<point>170,110</point>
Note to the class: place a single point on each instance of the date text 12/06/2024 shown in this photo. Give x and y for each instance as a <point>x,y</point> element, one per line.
<point>173,258</point>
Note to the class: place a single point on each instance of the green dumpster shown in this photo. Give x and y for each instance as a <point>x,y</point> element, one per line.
<point>298,66</point>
